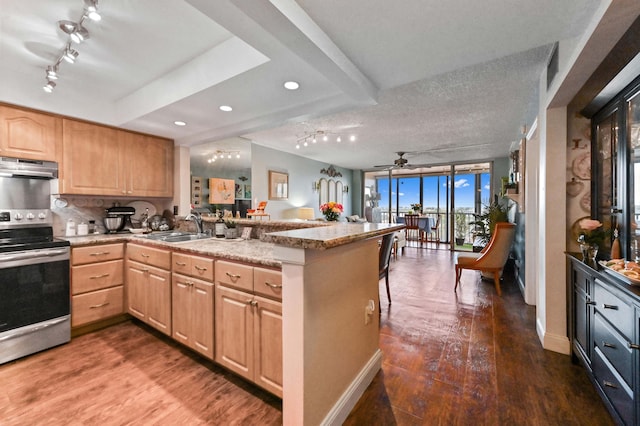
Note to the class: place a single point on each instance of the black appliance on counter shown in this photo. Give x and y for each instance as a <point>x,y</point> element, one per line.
<point>121,211</point>
<point>35,310</point>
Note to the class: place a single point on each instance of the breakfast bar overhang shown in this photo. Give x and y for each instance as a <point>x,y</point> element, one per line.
<point>330,318</point>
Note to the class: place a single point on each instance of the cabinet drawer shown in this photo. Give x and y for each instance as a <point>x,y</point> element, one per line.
<point>234,275</point>
<point>92,254</point>
<point>581,279</point>
<point>96,276</point>
<point>149,256</point>
<point>97,305</point>
<point>194,266</point>
<point>618,393</point>
<point>267,283</point>
<point>181,263</point>
<point>613,346</point>
<point>614,309</point>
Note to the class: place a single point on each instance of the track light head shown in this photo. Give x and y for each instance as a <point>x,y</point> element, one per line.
<point>70,55</point>
<point>49,86</point>
<point>52,72</point>
<point>92,10</point>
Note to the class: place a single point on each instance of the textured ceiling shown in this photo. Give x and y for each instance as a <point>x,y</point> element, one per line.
<point>453,80</point>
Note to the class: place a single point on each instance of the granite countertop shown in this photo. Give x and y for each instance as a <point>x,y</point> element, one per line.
<point>321,238</point>
<point>249,251</point>
<point>289,224</point>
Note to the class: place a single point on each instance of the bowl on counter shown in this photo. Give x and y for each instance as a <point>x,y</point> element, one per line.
<point>136,230</point>
<point>113,223</point>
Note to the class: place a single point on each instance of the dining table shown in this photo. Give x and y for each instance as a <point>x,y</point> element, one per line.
<point>425,223</point>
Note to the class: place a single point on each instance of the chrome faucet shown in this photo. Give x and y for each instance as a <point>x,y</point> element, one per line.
<point>197,219</point>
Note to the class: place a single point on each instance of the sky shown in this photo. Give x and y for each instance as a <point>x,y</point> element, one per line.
<point>434,187</point>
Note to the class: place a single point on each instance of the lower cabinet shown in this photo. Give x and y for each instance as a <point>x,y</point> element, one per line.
<point>605,335</point>
<point>248,327</point>
<point>97,283</point>
<point>192,313</point>
<point>149,287</point>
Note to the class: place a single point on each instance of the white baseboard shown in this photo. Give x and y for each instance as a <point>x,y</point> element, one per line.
<point>340,411</point>
<point>553,342</point>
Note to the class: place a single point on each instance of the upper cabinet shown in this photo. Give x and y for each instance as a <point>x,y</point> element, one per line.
<point>28,134</point>
<point>616,169</point>
<point>99,160</point>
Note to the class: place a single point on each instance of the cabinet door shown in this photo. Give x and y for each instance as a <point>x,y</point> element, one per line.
<point>181,308</point>
<point>136,290</point>
<point>234,330</point>
<point>268,345</point>
<point>27,134</point>
<point>93,160</point>
<point>202,317</point>
<point>159,299</point>
<point>150,165</point>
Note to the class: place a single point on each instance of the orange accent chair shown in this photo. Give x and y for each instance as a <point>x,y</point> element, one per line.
<point>492,258</point>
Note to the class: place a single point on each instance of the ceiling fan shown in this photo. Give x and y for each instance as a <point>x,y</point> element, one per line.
<point>401,163</point>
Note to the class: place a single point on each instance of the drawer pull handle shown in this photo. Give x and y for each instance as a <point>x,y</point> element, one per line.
<point>144,270</point>
<point>267,283</point>
<point>144,255</point>
<point>181,264</point>
<point>609,384</point>
<point>252,302</point>
<point>232,276</point>
<point>98,306</point>
<point>200,268</point>
<point>633,346</point>
<point>614,307</point>
<point>100,253</point>
<point>608,345</point>
<point>95,277</point>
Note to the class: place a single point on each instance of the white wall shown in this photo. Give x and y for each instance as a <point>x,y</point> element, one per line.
<point>302,173</point>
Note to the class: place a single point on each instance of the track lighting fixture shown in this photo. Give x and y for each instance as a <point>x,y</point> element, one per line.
<point>316,135</point>
<point>222,154</point>
<point>77,34</point>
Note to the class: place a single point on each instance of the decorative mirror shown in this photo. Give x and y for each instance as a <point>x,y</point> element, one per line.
<point>324,191</point>
<point>339,189</point>
<point>332,190</point>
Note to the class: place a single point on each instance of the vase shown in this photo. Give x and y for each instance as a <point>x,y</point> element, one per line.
<point>589,252</point>
<point>331,217</point>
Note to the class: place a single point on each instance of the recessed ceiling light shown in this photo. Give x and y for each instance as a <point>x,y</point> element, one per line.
<point>179,123</point>
<point>291,85</point>
<point>226,108</point>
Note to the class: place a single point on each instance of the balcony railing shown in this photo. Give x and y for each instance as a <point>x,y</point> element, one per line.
<point>465,228</point>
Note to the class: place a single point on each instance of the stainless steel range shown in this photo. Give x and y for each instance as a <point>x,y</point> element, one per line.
<point>35,309</point>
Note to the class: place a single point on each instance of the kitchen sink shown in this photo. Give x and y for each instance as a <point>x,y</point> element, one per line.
<point>176,237</point>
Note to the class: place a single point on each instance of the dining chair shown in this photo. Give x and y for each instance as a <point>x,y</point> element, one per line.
<point>492,258</point>
<point>384,260</point>
<point>434,235</point>
<point>412,227</point>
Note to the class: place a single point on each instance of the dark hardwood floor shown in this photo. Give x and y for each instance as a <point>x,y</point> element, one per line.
<point>450,359</point>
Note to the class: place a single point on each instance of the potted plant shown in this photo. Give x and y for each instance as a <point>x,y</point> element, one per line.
<point>485,222</point>
<point>416,207</point>
<point>231,231</point>
<point>461,226</point>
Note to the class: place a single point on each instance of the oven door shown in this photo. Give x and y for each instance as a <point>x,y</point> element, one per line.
<point>34,301</point>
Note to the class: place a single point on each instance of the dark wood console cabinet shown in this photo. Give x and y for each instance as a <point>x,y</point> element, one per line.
<point>605,336</point>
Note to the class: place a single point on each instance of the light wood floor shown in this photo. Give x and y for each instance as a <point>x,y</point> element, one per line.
<point>470,358</point>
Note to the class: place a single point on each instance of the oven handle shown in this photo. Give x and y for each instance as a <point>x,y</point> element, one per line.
<point>34,329</point>
<point>28,255</point>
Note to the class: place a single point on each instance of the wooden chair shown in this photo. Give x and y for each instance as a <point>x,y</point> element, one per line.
<point>384,259</point>
<point>434,235</point>
<point>412,227</point>
<point>492,258</point>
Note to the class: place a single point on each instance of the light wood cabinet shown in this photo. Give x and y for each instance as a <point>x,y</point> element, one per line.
<point>99,160</point>
<point>248,326</point>
<point>192,313</point>
<point>192,302</point>
<point>97,283</point>
<point>28,134</point>
<point>149,287</point>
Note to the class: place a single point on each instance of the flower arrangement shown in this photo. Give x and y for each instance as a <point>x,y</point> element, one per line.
<point>331,210</point>
<point>591,232</point>
<point>416,207</point>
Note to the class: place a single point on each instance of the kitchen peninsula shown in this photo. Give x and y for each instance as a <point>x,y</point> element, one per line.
<point>329,328</point>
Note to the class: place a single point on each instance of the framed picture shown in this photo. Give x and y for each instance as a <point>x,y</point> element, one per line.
<point>222,191</point>
<point>247,191</point>
<point>278,185</point>
<point>239,190</point>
